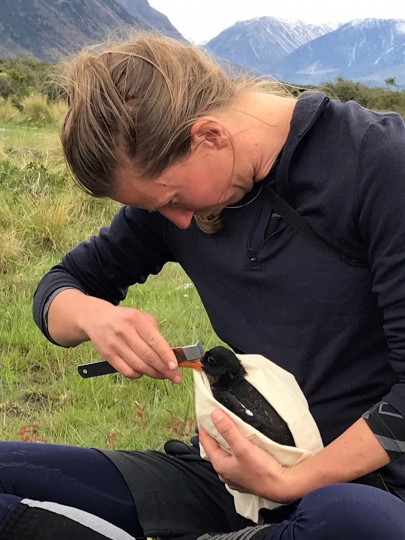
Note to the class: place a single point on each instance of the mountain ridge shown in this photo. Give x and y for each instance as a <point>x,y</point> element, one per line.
<point>356,50</point>
<point>59,28</point>
<point>260,42</point>
<point>366,50</point>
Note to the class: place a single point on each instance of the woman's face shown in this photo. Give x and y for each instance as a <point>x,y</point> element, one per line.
<point>203,184</point>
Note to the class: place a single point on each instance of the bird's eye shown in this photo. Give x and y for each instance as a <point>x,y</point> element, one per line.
<point>211,360</point>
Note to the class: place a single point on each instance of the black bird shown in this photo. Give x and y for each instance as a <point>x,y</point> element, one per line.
<point>229,386</point>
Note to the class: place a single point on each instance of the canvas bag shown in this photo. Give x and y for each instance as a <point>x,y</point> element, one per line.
<point>282,391</point>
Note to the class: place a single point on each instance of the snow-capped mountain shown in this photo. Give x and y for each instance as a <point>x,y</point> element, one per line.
<point>367,50</point>
<point>261,42</point>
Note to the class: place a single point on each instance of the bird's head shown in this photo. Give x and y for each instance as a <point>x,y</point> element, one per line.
<point>222,367</point>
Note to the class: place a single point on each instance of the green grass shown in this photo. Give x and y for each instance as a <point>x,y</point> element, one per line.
<point>42,397</point>
<point>25,136</point>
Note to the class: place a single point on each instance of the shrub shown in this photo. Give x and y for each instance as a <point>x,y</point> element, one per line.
<point>8,112</point>
<point>8,86</point>
<point>346,89</point>
<point>36,110</point>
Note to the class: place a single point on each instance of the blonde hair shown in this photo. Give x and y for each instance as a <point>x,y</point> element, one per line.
<point>141,96</point>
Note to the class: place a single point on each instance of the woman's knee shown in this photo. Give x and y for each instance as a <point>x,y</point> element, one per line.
<point>83,478</point>
<point>346,511</point>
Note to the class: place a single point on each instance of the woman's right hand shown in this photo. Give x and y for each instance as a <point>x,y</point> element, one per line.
<point>129,339</point>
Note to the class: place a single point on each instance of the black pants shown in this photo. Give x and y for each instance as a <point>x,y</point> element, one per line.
<point>174,495</point>
<point>181,495</point>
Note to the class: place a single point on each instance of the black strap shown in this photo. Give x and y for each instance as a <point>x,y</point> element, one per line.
<point>295,220</point>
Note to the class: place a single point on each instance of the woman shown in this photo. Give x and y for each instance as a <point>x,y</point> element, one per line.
<point>192,155</point>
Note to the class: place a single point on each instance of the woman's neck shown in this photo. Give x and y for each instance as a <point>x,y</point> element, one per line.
<point>262,129</point>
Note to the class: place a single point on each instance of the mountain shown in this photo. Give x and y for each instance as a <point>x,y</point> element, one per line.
<point>261,42</point>
<point>142,9</point>
<point>367,50</point>
<point>53,29</point>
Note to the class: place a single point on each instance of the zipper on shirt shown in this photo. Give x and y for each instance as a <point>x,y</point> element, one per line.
<point>253,260</point>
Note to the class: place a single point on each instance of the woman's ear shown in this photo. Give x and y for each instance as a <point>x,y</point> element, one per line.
<point>211,132</point>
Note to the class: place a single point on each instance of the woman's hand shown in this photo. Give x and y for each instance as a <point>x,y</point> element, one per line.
<point>129,339</point>
<point>247,468</point>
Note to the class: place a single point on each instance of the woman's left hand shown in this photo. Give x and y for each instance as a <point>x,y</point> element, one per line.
<point>248,468</point>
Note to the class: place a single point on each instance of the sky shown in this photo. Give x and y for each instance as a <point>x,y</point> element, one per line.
<point>201,20</point>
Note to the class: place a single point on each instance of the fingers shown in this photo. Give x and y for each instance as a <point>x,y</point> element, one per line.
<point>131,341</point>
<point>153,349</point>
<point>125,369</point>
<point>147,355</point>
<point>232,484</point>
<point>134,365</point>
<point>238,443</point>
<point>224,462</point>
<point>229,431</point>
<point>145,361</point>
<point>210,445</point>
<point>245,467</point>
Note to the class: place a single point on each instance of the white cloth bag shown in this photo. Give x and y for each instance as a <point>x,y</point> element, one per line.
<point>282,391</point>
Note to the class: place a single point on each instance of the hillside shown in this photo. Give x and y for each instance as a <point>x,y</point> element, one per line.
<point>54,29</point>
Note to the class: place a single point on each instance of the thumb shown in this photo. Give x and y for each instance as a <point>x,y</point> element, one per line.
<point>229,431</point>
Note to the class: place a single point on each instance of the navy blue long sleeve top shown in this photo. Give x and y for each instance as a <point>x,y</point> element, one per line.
<point>339,328</point>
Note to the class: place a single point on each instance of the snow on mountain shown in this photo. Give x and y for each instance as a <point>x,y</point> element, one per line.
<point>261,42</point>
<point>356,50</point>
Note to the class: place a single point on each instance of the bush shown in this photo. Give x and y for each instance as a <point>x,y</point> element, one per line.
<point>8,86</point>
<point>35,109</point>
<point>8,112</point>
<point>376,98</point>
<point>21,77</point>
<point>345,90</point>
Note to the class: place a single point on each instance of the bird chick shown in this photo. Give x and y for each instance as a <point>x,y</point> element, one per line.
<point>229,386</point>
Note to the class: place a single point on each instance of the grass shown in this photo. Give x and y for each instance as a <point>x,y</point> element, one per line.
<point>30,138</point>
<point>42,397</point>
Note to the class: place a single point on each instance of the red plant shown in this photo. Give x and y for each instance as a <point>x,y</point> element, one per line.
<point>181,427</point>
<point>139,409</point>
<point>111,439</point>
<point>140,419</point>
<point>30,433</point>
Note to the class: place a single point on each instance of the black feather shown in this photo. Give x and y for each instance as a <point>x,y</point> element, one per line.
<point>229,387</point>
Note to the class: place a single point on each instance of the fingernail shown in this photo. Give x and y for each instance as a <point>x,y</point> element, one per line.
<point>217,415</point>
<point>177,379</point>
<point>173,365</point>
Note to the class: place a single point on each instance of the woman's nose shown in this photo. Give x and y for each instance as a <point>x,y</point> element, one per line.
<point>179,216</point>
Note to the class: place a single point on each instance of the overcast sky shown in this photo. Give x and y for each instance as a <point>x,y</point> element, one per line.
<point>201,20</point>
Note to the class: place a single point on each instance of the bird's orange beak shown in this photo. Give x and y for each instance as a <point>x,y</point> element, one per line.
<point>193,364</point>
